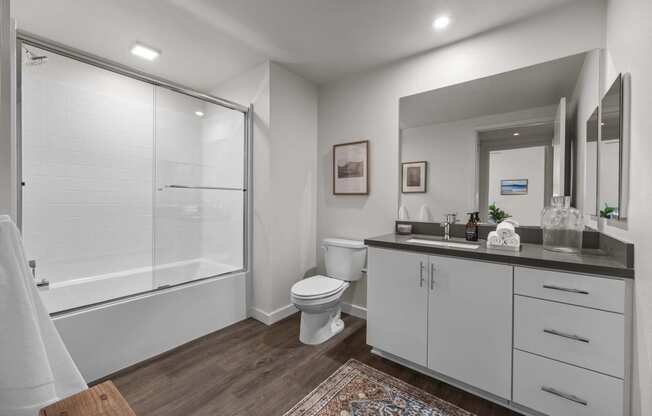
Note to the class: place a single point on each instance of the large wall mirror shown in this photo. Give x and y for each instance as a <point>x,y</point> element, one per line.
<point>508,140</point>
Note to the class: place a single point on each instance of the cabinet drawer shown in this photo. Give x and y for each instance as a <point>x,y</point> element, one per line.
<point>558,389</point>
<point>577,289</point>
<point>585,337</point>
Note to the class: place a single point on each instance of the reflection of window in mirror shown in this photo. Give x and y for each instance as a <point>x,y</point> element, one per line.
<point>610,149</point>
<point>591,181</point>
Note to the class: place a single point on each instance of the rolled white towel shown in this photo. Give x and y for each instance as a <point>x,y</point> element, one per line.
<point>493,239</point>
<point>505,229</point>
<point>512,241</point>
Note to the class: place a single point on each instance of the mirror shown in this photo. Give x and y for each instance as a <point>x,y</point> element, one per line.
<point>610,151</point>
<point>507,139</point>
<point>591,183</point>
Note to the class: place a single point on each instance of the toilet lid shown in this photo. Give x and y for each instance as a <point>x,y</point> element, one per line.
<point>316,286</point>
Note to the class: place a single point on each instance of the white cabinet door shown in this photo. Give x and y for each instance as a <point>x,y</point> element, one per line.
<point>470,323</point>
<point>397,303</point>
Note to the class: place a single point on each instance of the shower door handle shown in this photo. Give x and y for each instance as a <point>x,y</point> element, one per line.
<point>218,188</point>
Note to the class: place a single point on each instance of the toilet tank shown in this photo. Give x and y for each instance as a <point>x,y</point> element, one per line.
<point>344,259</point>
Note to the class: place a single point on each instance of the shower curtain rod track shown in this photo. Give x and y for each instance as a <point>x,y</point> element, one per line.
<point>81,56</point>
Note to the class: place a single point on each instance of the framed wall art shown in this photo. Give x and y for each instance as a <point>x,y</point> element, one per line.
<point>351,168</point>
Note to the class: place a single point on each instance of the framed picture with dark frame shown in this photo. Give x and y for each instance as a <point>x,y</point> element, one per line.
<point>351,168</point>
<point>414,177</point>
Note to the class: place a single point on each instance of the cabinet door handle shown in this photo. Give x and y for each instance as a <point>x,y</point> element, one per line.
<point>566,289</point>
<point>563,395</point>
<point>421,278</point>
<point>432,276</point>
<point>564,335</point>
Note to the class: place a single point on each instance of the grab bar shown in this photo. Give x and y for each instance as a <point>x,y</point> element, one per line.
<point>219,188</point>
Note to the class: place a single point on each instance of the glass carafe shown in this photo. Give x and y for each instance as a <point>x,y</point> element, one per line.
<point>562,226</point>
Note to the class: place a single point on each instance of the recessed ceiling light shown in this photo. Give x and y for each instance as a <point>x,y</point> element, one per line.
<point>517,133</point>
<point>199,113</point>
<point>441,22</point>
<point>144,52</point>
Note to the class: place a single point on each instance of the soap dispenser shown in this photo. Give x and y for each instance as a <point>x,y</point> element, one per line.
<point>471,233</point>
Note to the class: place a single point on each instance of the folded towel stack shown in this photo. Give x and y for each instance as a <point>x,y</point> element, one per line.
<point>505,236</point>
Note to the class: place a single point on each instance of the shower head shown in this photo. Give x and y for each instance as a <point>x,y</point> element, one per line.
<point>34,59</point>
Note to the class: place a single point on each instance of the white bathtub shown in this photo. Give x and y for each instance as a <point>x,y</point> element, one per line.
<point>85,291</point>
<point>105,338</point>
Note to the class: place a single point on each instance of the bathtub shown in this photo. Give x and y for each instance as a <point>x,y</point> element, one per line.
<point>139,323</point>
<point>71,294</point>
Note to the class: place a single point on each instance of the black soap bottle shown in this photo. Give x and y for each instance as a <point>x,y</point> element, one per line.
<point>471,230</point>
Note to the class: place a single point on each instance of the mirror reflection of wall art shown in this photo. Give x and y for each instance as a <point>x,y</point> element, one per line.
<point>513,187</point>
<point>351,168</point>
<point>414,177</point>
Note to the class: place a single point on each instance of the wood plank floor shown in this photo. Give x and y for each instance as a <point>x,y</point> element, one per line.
<point>254,370</point>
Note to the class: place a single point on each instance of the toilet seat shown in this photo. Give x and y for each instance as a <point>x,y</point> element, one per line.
<point>317,287</point>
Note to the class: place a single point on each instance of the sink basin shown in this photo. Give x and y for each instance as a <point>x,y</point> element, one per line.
<point>441,243</point>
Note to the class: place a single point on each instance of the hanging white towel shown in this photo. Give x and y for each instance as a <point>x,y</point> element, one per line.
<point>35,366</point>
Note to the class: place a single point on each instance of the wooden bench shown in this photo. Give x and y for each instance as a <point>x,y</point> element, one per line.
<point>101,400</point>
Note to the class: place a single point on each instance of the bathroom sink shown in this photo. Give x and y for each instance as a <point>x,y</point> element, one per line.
<point>441,243</point>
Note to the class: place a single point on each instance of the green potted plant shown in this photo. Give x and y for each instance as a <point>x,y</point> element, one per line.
<point>496,214</point>
<point>607,211</point>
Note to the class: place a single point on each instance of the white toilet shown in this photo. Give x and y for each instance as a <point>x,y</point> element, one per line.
<point>318,297</point>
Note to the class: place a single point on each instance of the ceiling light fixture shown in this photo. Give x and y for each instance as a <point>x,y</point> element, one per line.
<point>199,113</point>
<point>441,22</point>
<point>144,52</point>
<point>517,134</point>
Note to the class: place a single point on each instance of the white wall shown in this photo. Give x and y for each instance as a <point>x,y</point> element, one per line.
<point>451,152</point>
<point>365,106</point>
<point>629,49</point>
<point>285,152</point>
<point>524,163</point>
<point>7,144</point>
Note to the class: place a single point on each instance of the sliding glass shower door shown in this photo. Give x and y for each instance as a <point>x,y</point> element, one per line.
<point>199,209</point>
<point>128,185</point>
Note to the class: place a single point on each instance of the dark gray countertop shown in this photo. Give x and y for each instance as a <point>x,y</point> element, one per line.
<point>532,255</point>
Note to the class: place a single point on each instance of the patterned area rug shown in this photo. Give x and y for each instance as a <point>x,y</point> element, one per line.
<point>356,389</point>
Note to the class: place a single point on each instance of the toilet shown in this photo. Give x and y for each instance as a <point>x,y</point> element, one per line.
<point>318,297</point>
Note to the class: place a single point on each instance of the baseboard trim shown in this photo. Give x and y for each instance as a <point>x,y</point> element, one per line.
<point>355,310</point>
<point>274,316</point>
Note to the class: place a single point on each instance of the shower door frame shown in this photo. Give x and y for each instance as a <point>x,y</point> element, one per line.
<point>26,38</point>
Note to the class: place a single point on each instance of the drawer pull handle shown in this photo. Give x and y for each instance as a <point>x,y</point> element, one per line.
<point>421,274</point>
<point>566,289</point>
<point>563,395</point>
<point>569,336</point>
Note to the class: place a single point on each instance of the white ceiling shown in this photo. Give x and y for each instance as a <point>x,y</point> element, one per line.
<point>535,86</point>
<point>207,41</point>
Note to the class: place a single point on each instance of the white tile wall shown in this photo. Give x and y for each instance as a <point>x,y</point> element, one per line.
<point>88,164</point>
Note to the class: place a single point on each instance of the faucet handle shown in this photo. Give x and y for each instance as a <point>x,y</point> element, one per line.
<point>450,218</point>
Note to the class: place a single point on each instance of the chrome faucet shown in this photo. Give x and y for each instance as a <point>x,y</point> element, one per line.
<point>449,220</point>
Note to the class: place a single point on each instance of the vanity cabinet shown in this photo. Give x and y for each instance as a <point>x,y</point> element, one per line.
<point>470,322</point>
<point>397,303</point>
<point>450,315</point>
<point>539,341</point>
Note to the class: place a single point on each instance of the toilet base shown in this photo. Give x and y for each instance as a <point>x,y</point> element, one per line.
<point>320,327</point>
